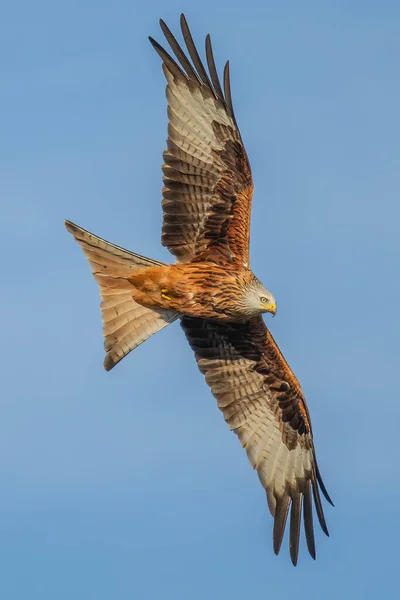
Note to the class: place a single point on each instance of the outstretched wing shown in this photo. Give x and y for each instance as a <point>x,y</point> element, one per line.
<point>207,179</point>
<point>262,402</point>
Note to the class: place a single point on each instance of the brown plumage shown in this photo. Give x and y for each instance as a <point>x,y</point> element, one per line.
<point>207,197</point>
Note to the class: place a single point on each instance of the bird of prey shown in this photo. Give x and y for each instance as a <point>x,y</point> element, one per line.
<point>211,289</point>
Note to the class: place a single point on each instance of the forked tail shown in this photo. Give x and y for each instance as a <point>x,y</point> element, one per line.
<point>126,324</point>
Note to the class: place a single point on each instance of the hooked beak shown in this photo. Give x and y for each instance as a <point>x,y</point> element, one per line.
<point>271,308</point>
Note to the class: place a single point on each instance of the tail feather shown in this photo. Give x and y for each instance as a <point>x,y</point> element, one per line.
<point>126,324</point>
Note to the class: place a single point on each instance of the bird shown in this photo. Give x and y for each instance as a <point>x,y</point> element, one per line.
<point>211,289</point>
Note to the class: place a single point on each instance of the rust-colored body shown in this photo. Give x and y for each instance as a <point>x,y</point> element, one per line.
<point>201,289</point>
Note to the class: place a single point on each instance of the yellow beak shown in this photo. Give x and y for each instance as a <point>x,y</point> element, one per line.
<point>271,308</point>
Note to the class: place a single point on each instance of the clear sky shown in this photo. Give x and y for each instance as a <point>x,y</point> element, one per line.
<point>129,485</point>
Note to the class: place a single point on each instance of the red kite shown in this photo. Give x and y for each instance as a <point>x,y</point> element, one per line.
<point>207,196</point>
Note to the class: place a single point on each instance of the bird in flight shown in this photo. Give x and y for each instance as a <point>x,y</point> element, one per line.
<point>211,289</point>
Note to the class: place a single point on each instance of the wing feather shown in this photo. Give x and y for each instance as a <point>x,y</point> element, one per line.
<point>227,89</point>
<point>204,143</point>
<point>308,519</point>
<point>179,53</point>
<point>295,519</point>
<point>212,68</point>
<point>194,55</point>
<point>281,513</point>
<point>262,402</point>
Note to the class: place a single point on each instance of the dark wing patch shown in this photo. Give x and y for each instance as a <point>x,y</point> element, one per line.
<point>207,178</point>
<point>262,402</point>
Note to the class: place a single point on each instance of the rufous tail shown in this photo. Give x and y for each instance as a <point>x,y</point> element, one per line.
<point>126,324</point>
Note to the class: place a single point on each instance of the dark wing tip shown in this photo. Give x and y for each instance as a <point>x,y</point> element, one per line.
<point>281,513</point>
<point>169,62</point>
<point>318,507</point>
<point>195,70</point>
<point>228,93</point>
<point>177,50</point>
<point>295,504</point>
<point>322,485</point>
<point>213,70</point>
<point>294,536</point>
<point>194,55</point>
<point>308,520</point>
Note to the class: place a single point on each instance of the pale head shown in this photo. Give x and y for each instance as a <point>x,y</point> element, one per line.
<point>257,299</point>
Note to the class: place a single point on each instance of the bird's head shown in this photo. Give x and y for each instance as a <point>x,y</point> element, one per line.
<point>257,299</point>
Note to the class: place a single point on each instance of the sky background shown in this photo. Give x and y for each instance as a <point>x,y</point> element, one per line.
<point>128,484</point>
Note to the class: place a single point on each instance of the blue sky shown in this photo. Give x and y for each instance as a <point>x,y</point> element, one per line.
<point>129,484</point>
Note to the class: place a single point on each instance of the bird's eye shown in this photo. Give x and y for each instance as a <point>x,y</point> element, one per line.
<point>264,300</point>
